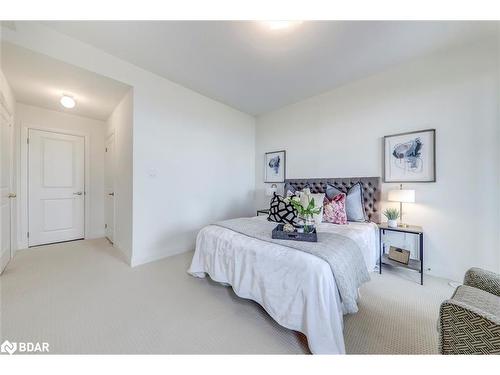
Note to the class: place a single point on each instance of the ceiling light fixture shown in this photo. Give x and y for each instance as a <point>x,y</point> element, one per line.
<point>67,101</point>
<point>280,25</point>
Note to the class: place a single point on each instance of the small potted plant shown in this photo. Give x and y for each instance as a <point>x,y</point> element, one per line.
<point>392,215</point>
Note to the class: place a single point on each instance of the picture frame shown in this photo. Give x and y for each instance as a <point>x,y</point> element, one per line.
<point>275,166</point>
<point>410,156</point>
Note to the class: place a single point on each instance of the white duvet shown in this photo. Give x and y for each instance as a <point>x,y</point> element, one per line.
<point>297,289</point>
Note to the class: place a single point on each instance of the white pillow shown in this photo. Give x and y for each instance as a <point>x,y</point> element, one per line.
<point>318,202</point>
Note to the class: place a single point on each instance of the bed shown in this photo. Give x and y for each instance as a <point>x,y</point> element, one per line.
<point>297,289</point>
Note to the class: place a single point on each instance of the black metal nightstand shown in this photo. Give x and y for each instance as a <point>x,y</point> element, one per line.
<point>264,212</point>
<point>414,264</point>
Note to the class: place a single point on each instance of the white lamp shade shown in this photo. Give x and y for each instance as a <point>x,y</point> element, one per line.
<point>404,196</point>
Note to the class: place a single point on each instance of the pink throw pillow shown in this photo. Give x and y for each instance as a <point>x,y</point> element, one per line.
<point>334,210</point>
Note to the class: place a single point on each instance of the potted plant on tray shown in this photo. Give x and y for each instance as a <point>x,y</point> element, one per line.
<point>306,209</point>
<point>392,215</point>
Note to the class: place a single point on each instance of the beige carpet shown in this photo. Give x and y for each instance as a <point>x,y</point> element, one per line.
<point>81,297</point>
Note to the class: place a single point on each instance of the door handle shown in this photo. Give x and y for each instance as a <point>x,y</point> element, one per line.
<point>112,194</point>
<point>78,193</point>
<point>12,195</point>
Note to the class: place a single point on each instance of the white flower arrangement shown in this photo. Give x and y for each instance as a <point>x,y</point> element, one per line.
<point>305,206</point>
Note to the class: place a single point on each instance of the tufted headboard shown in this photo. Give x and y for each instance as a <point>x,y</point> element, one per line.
<point>371,190</point>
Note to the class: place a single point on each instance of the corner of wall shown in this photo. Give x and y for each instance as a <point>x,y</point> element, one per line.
<point>120,123</point>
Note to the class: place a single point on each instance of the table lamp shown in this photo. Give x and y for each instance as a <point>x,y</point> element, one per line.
<point>402,196</point>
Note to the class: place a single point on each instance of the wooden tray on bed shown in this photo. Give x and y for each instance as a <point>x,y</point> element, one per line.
<point>279,234</point>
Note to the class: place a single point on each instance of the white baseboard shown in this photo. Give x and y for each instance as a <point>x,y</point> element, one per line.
<point>4,259</point>
<point>138,261</point>
<point>93,236</point>
<point>125,256</point>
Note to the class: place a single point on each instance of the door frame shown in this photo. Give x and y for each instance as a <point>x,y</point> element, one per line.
<point>10,120</point>
<point>108,137</point>
<point>23,202</point>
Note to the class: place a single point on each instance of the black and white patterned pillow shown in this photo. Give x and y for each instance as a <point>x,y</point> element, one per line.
<point>281,212</point>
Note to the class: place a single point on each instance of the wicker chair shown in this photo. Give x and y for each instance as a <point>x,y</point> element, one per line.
<point>469,322</point>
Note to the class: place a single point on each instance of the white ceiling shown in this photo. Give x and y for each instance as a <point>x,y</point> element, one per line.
<point>256,70</point>
<point>39,80</point>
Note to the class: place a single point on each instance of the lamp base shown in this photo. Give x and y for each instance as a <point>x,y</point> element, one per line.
<point>401,224</point>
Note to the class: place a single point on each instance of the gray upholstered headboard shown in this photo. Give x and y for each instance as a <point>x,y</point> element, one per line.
<point>371,190</point>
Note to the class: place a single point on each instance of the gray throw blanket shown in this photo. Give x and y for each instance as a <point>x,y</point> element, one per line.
<point>341,253</point>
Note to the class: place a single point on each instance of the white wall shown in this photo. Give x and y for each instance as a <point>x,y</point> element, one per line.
<point>339,134</point>
<point>193,165</point>
<point>193,157</point>
<point>7,93</point>
<point>120,123</point>
<point>31,116</point>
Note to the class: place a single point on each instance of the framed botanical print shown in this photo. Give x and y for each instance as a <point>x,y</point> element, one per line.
<point>410,157</point>
<point>274,166</point>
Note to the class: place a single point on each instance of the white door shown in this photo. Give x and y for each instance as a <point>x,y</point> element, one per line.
<point>5,186</point>
<point>109,188</point>
<point>56,181</point>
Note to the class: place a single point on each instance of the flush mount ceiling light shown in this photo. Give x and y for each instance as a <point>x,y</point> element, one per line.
<point>281,25</point>
<point>67,101</point>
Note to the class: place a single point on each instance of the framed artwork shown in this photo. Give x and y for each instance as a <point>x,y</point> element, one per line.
<point>274,166</point>
<point>410,157</point>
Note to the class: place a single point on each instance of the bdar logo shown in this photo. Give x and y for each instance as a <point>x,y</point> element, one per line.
<point>24,347</point>
<point>8,347</point>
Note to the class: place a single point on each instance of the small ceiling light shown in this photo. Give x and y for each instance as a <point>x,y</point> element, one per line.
<point>67,101</point>
<point>280,25</point>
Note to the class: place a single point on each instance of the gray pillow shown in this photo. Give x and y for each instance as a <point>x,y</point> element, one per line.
<point>354,203</point>
<point>289,188</point>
